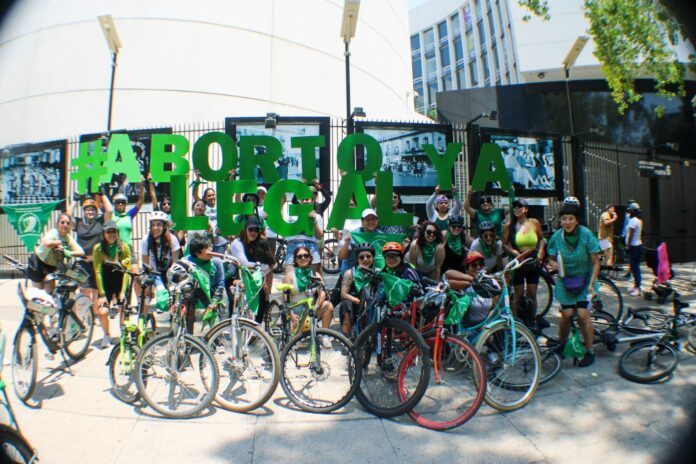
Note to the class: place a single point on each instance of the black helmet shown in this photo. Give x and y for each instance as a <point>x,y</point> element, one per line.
<point>360,247</point>
<point>456,219</point>
<point>484,226</point>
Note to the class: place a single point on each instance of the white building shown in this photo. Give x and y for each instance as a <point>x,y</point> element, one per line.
<point>459,44</point>
<point>190,61</point>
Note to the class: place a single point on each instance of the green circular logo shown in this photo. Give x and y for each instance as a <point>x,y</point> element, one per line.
<point>28,223</point>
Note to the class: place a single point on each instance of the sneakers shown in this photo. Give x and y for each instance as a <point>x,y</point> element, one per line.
<point>635,291</point>
<point>325,342</point>
<point>588,360</point>
<point>106,342</point>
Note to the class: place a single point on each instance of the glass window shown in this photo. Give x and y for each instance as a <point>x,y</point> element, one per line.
<point>430,66</point>
<point>415,42</point>
<point>442,30</point>
<point>419,101</point>
<point>499,7</point>
<point>486,69</point>
<point>458,49</point>
<point>456,29</point>
<point>473,71</point>
<point>429,38</point>
<point>461,78</point>
<point>491,26</point>
<point>470,47</point>
<point>468,20</point>
<point>432,91</point>
<point>417,68</point>
<point>479,10</point>
<point>494,52</point>
<point>447,82</point>
<point>482,34</point>
<point>444,56</point>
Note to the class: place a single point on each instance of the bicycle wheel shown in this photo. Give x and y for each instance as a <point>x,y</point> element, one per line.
<point>176,375</point>
<point>380,350</point>
<point>544,295</point>
<point>329,256</point>
<point>13,447</point>
<point>648,362</point>
<point>608,298</point>
<point>649,318</point>
<point>456,388</point>
<point>75,339</point>
<point>550,364</point>
<point>513,365</point>
<point>25,363</point>
<point>279,258</point>
<point>692,338</point>
<point>122,373</point>
<point>274,322</point>
<point>248,362</point>
<point>605,329</point>
<point>323,385</point>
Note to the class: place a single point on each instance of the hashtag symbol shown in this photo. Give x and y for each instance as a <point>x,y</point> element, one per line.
<point>89,165</point>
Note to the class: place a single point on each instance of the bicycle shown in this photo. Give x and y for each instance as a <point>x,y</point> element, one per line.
<point>14,447</point>
<point>121,361</point>
<point>381,350</point>
<point>279,256</point>
<point>457,385</point>
<point>247,357</point>
<point>178,366</point>
<point>329,255</point>
<point>71,335</point>
<point>314,378</point>
<point>508,348</point>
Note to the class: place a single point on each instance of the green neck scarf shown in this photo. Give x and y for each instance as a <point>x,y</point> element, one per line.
<point>573,237</point>
<point>359,279</point>
<point>487,250</point>
<point>112,249</point>
<point>123,214</point>
<point>207,266</point>
<point>455,243</point>
<point>428,250</point>
<point>302,277</point>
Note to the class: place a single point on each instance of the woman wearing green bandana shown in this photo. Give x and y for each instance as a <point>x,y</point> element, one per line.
<point>457,244</point>
<point>490,246</point>
<point>427,252</point>
<point>354,280</point>
<point>298,275</point>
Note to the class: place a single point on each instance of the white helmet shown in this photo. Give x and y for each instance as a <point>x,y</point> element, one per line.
<point>120,197</point>
<point>159,216</point>
<point>571,201</point>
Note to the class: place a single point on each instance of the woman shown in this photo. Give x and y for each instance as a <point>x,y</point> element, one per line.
<point>159,249</point>
<point>309,241</point>
<point>634,245</point>
<point>397,208</point>
<point>352,283</point>
<point>480,305</point>
<point>111,282</point>
<point>298,275</point>
<point>522,234</point>
<point>456,244</point>
<point>438,210</point>
<point>489,246</point>
<point>249,248</point>
<point>56,244</point>
<point>427,252</point>
<point>199,210</point>
<point>393,254</point>
<point>123,218</point>
<point>574,253</point>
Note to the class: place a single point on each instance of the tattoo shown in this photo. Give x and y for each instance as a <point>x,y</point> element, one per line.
<point>346,282</point>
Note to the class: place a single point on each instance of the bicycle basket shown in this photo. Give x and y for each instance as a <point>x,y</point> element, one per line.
<point>77,274</point>
<point>39,301</point>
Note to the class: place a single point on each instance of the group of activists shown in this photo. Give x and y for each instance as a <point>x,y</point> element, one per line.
<point>98,230</point>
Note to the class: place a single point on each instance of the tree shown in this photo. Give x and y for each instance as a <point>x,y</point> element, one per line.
<point>633,36</point>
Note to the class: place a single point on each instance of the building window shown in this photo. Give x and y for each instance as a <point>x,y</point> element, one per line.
<point>499,7</point>
<point>470,47</point>
<point>479,10</point>
<point>458,50</point>
<point>461,78</point>
<point>430,66</point>
<point>442,30</point>
<point>494,52</point>
<point>473,71</point>
<point>468,20</point>
<point>432,91</point>
<point>444,56</point>
<point>482,34</point>
<point>456,30</point>
<point>447,82</point>
<point>415,43</point>
<point>419,101</point>
<point>486,69</point>
<point>491,25</point>
<point>429,39</point>
<point>417,68</point>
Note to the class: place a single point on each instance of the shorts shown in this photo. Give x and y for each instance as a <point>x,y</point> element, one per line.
<point>88,268</point>
<point>529,272</point>
<point>605,244</point>
<point>37,270</point>
<point>113,282</point>
<point>295,244</point>
<point>579,305</point>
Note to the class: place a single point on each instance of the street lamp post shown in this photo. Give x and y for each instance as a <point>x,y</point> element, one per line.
<point>568,63</point>
<point>348,25</point>
<point>114,43</point>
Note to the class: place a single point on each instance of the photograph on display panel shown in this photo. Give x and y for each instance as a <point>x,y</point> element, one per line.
<point>33,173</point>
<point>403,154</point>
<point>140,141</point>
<point>290,163</point>
<point>532,160</point>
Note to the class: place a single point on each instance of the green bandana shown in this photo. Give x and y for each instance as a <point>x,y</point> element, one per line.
<point>572,238</point>
<point>359,279</point>
<point>253,282</point>
<point>428,250</point>
<point>302,277</point>
<point>202,274</point>
<point>455,243</point>
<point>112,249</point>
<point>487,250</point>
<point>396,289</point>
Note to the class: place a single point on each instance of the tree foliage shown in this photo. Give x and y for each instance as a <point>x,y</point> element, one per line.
<point>631,37</point>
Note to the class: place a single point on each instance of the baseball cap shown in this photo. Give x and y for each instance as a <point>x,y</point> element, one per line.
<point>520,202</point>
<point>110,225</point>
<point>368,212</point>
<point>473,256</point>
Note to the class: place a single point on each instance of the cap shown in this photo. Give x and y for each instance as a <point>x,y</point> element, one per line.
<point>110,225</point>
<point>368,212</point>
<point>633,207</point>
<point>520,202</point>
<point>251,222</point>
<point>473,256</point>
<point>441,199</point>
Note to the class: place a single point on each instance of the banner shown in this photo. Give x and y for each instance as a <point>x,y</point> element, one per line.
<point>377,239</point>
<point>29,220</point>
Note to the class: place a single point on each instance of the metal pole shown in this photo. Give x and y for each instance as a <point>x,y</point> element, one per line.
<point>654,202</point>
<point>570,104</point>
<point>114,58</point>
<point>347,55</point>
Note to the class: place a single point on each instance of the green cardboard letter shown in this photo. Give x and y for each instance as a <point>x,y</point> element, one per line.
<point>308,146</point>
<point>228,208</point>
<point>387,217</point>
<point>373,155</point>
<point>120,146</point>
<point>180,217</point>
<point>159,156</point>
<point>490,167</point>
<point>266,161</point>
<point>443,163</point>
<point>351,186</point>
<point>273,207</point>
<point>201,161</point>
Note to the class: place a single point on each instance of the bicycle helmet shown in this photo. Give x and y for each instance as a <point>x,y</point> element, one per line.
<point>361,247</point>
<point>571,201</point>
<point>393,246</point>
<point>88,202</point>
<point>633,207</point>
<point>486,286</point>
<point>484,226</point>
<point>120,197</point>
<point>159,216</point>
<point>456,220</point>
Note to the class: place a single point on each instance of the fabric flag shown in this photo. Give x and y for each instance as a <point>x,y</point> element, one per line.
<point>377,239</point>
<point>253,281</point>
<point>396,289</point>
<point>458,308</point>
<point>29,220</point>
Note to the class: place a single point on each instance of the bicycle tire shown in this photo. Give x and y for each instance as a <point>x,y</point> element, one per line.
<point>493,345</point>
<point>122,373</point>
<point>605,329</point>
<point>648,362</point>
<point>378,392</point>
<point>246,383</point>
<point>279,258</point>
<point>329,256</point>
<point>608,299</point>
<point>692,338</point>
<point>649,318</point>
<point>274,322</point>
<point>25,355</point>
<point>456,388</point>
<point>544,295</point>
<point>158,357</point>
<point>550,365</point>
<point>76,346</point>
<point>14,448</point>
<point>299,379</point>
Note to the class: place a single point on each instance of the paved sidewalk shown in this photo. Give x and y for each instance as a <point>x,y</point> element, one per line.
<point>585,415</point>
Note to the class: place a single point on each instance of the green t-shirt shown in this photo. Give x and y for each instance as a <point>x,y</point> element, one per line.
<point>124,222</point>
<point>495,217</point>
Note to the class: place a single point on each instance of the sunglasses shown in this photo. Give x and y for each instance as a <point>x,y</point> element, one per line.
<point>302,255</point>
<point>392,255</point>
<point>477,264</point>
<point>120,202</point>
<point>489,235</point>
<point>253,229</point>
<point>166,204</point>
<point>430,231</point>
<point>365,256</point>
<point>455,226</point>
<point>111,231</point>
<point>486,200</point>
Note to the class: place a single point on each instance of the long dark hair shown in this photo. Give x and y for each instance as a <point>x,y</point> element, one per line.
<point>164,248</point>
<point>421,233</point>
<point>104,244</point>
<point>257,250</point>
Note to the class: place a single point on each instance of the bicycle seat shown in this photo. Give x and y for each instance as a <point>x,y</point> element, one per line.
<point>284,287</point>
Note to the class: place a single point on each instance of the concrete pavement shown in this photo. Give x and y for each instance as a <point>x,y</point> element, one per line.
<point>585,415</point>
